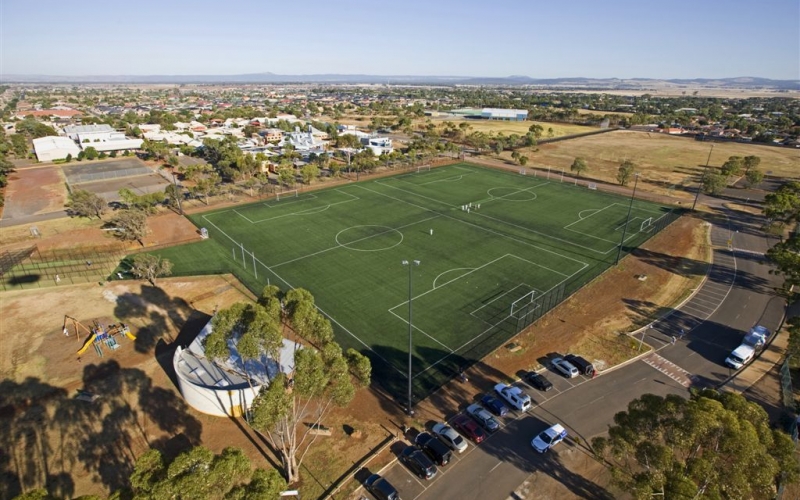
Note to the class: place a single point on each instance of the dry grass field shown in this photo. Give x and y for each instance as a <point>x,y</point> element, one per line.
<point>663,160</point>
<point>520,128</point>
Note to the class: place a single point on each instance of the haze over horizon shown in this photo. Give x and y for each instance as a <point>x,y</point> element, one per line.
<point>619,39</point>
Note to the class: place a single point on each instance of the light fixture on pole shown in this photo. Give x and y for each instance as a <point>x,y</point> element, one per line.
<point>410,265</point>
<point>700,187</point>
<point>628,218</point>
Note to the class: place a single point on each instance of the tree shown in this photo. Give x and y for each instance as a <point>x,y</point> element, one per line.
<point>751,162</point>
<point>523,160</point>
<point>753,177</point>
<point>149,266</point>
<point>199,473</point>
<point>784,204</point>
<point>786,257</point>
<point>309,172</point>
<point>86,204</point>
<point>733,167</point>
<point>714,445</point>
<point>131,224</point>
<point>321,379</point>
<point>713,183</point>
<point>68,158</point>
<point>90,153</point>
<point>579,166</point>
<point>144,202</point>
<point>625,172</point>
<point>286,176</point>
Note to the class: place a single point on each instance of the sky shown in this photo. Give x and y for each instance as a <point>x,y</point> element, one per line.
<point>489,38</point>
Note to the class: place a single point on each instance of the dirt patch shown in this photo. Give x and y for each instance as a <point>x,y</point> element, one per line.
<point>34,191</point>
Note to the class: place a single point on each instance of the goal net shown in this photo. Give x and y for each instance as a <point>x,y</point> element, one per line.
<point>646,225</point>
<point>292,193</point>
<point>592,186</point>
<point>522,304</point>
<point>423,168</point>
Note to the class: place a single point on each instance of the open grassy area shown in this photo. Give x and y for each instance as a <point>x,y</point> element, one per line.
<point>524,246</point>
<point>520,128</point>
<point>664,161</point>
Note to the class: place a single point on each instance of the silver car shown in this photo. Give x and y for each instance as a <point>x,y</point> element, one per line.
<point>483,417</point>
<point>565,367</point>
<point>450,437</point>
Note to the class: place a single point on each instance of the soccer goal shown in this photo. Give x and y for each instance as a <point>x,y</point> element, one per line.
<point>592,186</point>
<point>522,304</point>
<point>423,168</point>
<point>646,225</point>
<point>292,193</point>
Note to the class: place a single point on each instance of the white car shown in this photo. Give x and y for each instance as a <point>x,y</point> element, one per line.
<point>514,396</point>
<point>450,437</point>
<point>565,367</point>
<point>549,438</point>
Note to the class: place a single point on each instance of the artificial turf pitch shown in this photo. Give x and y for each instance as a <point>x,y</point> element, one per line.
<point>496,249</point>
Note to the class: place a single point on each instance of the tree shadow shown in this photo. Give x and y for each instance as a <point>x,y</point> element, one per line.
<point>168,316</point>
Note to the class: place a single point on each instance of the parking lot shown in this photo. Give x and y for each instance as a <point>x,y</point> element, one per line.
<point>509,443</point>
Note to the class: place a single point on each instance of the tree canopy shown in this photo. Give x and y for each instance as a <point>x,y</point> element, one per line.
<point>783,205</point>
<point>579,166</point>
<point>86,204</point>
<point>713,445</point>
<point>625,172</point>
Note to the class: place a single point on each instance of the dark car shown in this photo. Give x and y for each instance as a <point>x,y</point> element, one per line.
<point>381,488</point>
<point>494,405</point>
<point>538,381</point>
<point>435,449</point>
<point>469,428</point>
<point>581,364</point>
<point>419,463</point>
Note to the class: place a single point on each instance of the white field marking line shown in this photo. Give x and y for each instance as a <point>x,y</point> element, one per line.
<point>455,178</point>
<point>354,241</point>
<point>448,271</point>
<point>520,190</point>
<point>242,216</point>
<point>306,197</point>
<point>474,270</point>
<point>581,219</point>
<point>336,238</point>
<point>618,228</point>
<point>546,236</point>
<point>318,308</point>
<point>584,265</point>
<point>476,337</point>
<point>415,327</point>
<point>499,297</point>
<point>527,312</point>
<point>383,183</point>
<point>309,211</point>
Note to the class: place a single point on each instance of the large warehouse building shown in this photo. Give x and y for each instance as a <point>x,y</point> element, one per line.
<point>55,148</point>
<point>492,113</point>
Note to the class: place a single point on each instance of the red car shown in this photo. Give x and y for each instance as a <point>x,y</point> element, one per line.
<point>469,428</point>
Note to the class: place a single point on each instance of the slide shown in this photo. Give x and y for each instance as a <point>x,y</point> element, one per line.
<point>129,334</point>
<point>87,344</point>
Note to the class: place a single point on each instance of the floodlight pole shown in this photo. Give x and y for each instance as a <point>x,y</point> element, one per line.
<point>628,218</point>
<point>700,187</point>
<point>410,265</point>
<point>178,193</point>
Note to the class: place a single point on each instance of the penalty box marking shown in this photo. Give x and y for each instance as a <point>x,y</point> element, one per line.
<point>309,211</point>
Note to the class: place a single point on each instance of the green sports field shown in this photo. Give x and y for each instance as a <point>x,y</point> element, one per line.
<point>496,251</point>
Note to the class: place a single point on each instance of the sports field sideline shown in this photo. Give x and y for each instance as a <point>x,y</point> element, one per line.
<point>496,250</point>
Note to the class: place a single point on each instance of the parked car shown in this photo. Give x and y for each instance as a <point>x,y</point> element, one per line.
<point>549,438</point>
<point>494,405</point>
<point>469,428</point>
<point>740,356</point>
<point>483,417</point>
<point>538,381</point>
<point>419,463</point>
<point>514,396</point>
<point>581,364</point>
<point>565,367</point>
<point>381,488</point>
<point>435,449</point>
<point>450,437</point>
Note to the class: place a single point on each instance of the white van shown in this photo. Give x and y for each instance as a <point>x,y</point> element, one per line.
<point>740,356</point>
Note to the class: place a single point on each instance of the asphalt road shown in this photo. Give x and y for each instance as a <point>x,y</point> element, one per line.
<point>737,295</point>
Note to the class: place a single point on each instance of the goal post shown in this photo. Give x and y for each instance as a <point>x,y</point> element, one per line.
<point>646,224</point>
<point>592,186</point>
<point>423,168</point>
<point>522,303</point>
<point>292,193</point>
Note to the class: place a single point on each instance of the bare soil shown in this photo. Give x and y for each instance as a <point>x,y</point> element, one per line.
<point>34,191</point>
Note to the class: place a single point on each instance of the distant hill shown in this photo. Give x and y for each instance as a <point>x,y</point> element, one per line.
<point>516,80</point>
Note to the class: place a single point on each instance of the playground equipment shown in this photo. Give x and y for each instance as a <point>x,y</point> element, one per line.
<point>99,335</point>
